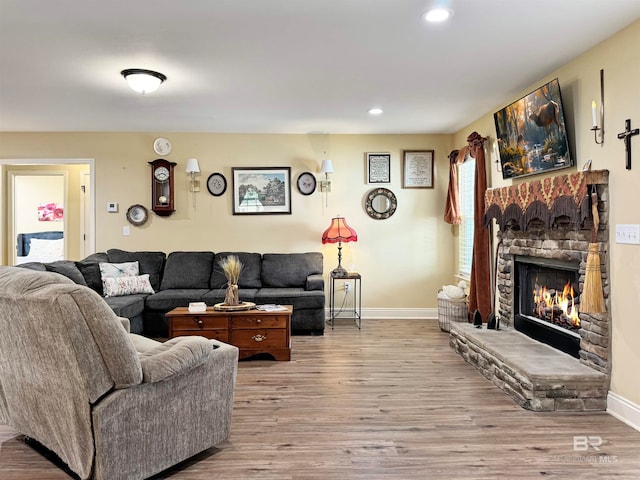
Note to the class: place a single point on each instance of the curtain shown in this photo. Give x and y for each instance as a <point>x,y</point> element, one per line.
<point>480,285</point>
<point>480,289</point>
<point>452,208</point>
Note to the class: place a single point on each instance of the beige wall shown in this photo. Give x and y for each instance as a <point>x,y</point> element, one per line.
<point>580,84</point>
<point>403,260</point>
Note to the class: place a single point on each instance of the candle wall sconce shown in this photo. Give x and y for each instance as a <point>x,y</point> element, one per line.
<point>594,112</point>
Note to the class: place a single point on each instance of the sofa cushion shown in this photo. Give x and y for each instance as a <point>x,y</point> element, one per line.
<point>289,269</point>
<point>296,296</point>
<point>37,266</point>
<point>217,295</point>
<point>166,300</point>
<point>187,270</point>
<point>150,262</point>
<point>250,275</point>
<point>68,269</point>
<point>128,306</point>
<point>91,273</point>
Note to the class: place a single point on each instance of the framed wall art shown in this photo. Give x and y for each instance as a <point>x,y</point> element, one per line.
<point>378,167</point>
<point>417,169</point>
<point>261,190</point>
<point>532,134</point>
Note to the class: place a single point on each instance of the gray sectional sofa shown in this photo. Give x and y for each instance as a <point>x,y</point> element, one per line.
<point>183,277</point>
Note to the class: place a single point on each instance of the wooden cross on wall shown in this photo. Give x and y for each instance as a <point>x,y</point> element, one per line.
<point>626,136</point>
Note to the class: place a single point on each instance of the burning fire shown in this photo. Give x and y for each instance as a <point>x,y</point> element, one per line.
<point>550,303</point>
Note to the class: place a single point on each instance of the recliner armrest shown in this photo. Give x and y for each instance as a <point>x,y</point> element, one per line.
<point>175,356</point>
<point>315,282</point>
<point>126,324</point>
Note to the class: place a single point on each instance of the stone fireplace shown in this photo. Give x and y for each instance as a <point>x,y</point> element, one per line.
<point>544,231</point>
<point>564,240</point>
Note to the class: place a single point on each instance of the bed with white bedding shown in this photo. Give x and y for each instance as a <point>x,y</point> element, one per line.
<point>40,247</point>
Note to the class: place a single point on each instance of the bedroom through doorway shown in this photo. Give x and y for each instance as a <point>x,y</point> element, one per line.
<point>48,210</point>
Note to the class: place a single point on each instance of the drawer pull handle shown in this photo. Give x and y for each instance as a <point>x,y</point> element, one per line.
<point>259,320</point>
<point>259,337</point>
<point>198,321</point>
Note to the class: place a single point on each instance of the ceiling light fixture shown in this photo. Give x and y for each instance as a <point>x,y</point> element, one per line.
<point>375,111</point>
<point>437,14</point>
<point>143,81</point>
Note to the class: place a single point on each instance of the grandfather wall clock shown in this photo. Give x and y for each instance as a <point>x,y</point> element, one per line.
<point>162,187</point>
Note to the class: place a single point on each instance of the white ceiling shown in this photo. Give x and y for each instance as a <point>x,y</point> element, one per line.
<point>283,66</point>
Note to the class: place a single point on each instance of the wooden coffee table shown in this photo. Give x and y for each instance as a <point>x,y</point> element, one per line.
<point>252,331</point>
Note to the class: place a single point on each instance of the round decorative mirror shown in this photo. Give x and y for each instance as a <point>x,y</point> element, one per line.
<point>380,203</point>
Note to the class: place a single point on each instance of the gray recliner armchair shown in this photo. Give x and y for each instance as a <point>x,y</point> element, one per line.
<point>111,404</point>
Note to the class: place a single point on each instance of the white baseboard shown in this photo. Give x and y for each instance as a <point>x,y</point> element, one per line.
<point>624,410</point>
<point>397,313</point>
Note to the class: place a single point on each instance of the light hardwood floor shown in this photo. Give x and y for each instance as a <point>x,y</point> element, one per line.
<point>391,401</point>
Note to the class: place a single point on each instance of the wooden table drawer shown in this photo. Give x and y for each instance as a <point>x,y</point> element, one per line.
<point>260,321</point>
<point>222,335</point>
<point>259,338</point>
<point>195,322</point>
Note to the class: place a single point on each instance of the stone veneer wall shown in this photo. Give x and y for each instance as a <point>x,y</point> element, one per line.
<point>564,241</point>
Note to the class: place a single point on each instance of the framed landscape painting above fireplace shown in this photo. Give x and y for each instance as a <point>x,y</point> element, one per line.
<point>532,134</point>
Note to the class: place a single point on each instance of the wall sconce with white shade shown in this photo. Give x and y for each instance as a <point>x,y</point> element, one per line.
<point>143,81</point>
<point>194,185</point>
<point>325,185</point>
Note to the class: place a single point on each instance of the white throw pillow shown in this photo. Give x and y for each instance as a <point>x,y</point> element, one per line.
<point>126,285</point>
<point>46,249</point>
<point>114,270</point>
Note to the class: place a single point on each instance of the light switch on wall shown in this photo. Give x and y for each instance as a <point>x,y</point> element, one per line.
<point>125,231</point>
<point>628,234</point>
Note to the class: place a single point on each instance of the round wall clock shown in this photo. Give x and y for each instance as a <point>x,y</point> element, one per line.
<point>216,184</point>
<point>306,183</point>
<point>162,146</point>
<point>137,215</point>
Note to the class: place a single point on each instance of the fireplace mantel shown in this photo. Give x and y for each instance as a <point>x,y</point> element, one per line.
<point>545,200</point>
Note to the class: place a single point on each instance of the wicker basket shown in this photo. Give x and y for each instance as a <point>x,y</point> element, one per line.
<point>451,310</point>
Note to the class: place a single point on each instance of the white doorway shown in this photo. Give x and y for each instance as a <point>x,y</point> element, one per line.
<point>79,204</point>
<point>86,217</point>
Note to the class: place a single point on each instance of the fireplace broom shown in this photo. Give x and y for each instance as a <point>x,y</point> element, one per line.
<point>592,300</point>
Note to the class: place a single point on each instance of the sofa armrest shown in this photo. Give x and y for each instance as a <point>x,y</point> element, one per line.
<point>315,282</point>
<point>175,356</point>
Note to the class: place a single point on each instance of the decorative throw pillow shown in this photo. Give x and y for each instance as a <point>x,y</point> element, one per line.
<point>91,273</point>
<point>126,285</point>
<point>114,270</point>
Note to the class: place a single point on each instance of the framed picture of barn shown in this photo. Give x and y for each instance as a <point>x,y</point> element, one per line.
<point>532,134</point>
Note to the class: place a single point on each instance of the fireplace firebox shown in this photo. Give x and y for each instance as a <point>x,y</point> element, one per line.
<point>547,301</point>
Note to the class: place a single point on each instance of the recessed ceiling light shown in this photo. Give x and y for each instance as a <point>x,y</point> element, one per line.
<point>438,14</point>
<point>375,111</point>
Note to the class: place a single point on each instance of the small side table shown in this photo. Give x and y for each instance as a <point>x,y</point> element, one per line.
<point>356,312</point>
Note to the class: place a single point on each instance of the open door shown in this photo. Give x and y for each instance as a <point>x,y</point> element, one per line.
<point>38,220</point>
